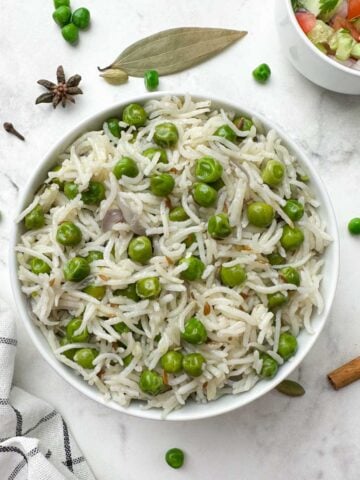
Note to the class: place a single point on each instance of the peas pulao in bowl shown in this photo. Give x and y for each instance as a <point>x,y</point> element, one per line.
<point>175,262</point>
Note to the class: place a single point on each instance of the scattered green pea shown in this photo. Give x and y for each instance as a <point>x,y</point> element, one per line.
<point>171,361</point>
<point>178,214</point>
<point>121,328</point>
<point>140,250</point>
<point>354,226</point>
<point>127,360</point>
<point>225,131</point>
<point>76,269</point>
<point>204,195</point>
<point>232,276</point>
<point>195,268</point>
<point>175,458</point>
<point>219,226</point>
<point>150,152</point>
<point>56,180</point>
<point>61,3</point>
<point>269,367</point>
<point>81,18</point>
<point>128,292</point>
<point>162,184</point>
<point>273,173</point>
<point>96,291</point>
<point>94,255</point>
<point>70,32</point>
<point>94,194</point>
<point>243,123</point>
<point>291,238</point>
<point>151,382</point>
<point>71,190</point>
<point>193,364</point>
<point>68,234</point>
<point>85,357</point>
<point>151,80</point>
<point>166,135</point>
<point>114,127</point>
<point>294,210</point>
<point>62,15</point>
<point>134,114</point>
<point>72,327</point>
<point>260,214</point>
<point>68,353</point>
<point>287,345</point>
<point>194,332</point>
<point>39,266</point>
<point>262,73</point>
<point>276,300</point>
<point>148,287</point>
<point>126,166</point>
<point>276,259</point>
<point>208,170</point>
<point>35,219</point>
<point>290,275</point>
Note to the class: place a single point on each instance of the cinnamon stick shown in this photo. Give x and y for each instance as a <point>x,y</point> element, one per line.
<point>346,374</point>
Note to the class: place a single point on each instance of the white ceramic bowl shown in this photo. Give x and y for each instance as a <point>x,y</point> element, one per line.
<point>191,411</point>
<point>309,60</point>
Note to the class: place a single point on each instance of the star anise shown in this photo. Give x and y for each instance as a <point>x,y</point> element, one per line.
<point>62,92</point>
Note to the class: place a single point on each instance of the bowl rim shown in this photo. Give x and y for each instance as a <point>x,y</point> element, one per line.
<point>77,382</point>
<point>323,56</point>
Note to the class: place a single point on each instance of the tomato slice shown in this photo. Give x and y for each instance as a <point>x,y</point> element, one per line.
<point>306,20</point>
<point>353,9</point>
<point>340,22</point>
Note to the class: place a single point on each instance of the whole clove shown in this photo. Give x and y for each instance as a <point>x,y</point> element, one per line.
<point>9,127</point>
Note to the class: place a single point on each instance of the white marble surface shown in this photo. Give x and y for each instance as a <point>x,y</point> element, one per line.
<point>315,437</point>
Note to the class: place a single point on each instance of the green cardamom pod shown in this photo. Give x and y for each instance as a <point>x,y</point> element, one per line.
<point>290,388</point>
<point>115,76</point>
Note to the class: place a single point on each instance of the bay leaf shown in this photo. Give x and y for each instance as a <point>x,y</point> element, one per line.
<point>174,50</point>
<point>290,388</point>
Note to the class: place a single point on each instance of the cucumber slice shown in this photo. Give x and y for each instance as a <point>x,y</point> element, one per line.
<point>312,6</point>
<point>328,8</point>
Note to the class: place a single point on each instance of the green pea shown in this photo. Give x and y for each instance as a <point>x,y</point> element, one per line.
<point>273,173</point>
<point>171,362</point>
<point>189,240</point>
<point>35,219</point>
<point>114,127</point>
<point>162,184</point>
<point>71,190</point>
<point>232,276</point>
<point>218,185</point>
<point>276,300</point>
<point>276,259</point>
<point>290,275</point>
<point>175,458</point>
<point>354,226</point>
<point>128,292</point>
<point>140,250</point>
<point>134,114</point>
<point>225,131</point>
<point>62,15</point>
<point>219,226</point>
<point>94,194</point>
<point>96,291</point>
<point>178,214</point>
<point>262,73</point>
<point>208,170</point>
<point>70,32</point>
<point>81,18</point>
<point>61,3</point>
<point>243,123</point>
<point>151,382</point>
<point>76,269</point>
<point>303,177</point>
<point>150,152</point>
<point>193,364</point>
<point>38,266</point>
<point>151,80</point>
<point>68,353</point>
<point>55,180</point>
<point>72,327</point>
<point>195,268</point>
<point>127,360</point>
<point>260,214</point>
<point>126,166</point>
<point>287,345</point>
<point>166,135</point>
<point>85,357</point>
<point>68,234</point>
<point>204,195</point>
<point>94,255</point>
<point>148,287</point>
<point>294,210</point>
<point>269,367</point>
<point>121,328</point>
<point>194,332</point>
<point>291,238</point>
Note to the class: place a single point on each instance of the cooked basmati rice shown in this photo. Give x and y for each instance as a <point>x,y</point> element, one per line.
<point>239,324</point>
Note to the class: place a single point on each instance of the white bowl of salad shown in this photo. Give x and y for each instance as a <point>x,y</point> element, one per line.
<point>322,40</point>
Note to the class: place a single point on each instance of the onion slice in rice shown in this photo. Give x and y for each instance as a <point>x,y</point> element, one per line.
<point>111,218</point>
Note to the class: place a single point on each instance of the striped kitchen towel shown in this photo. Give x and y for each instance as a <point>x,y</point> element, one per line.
<point>35,442</point>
